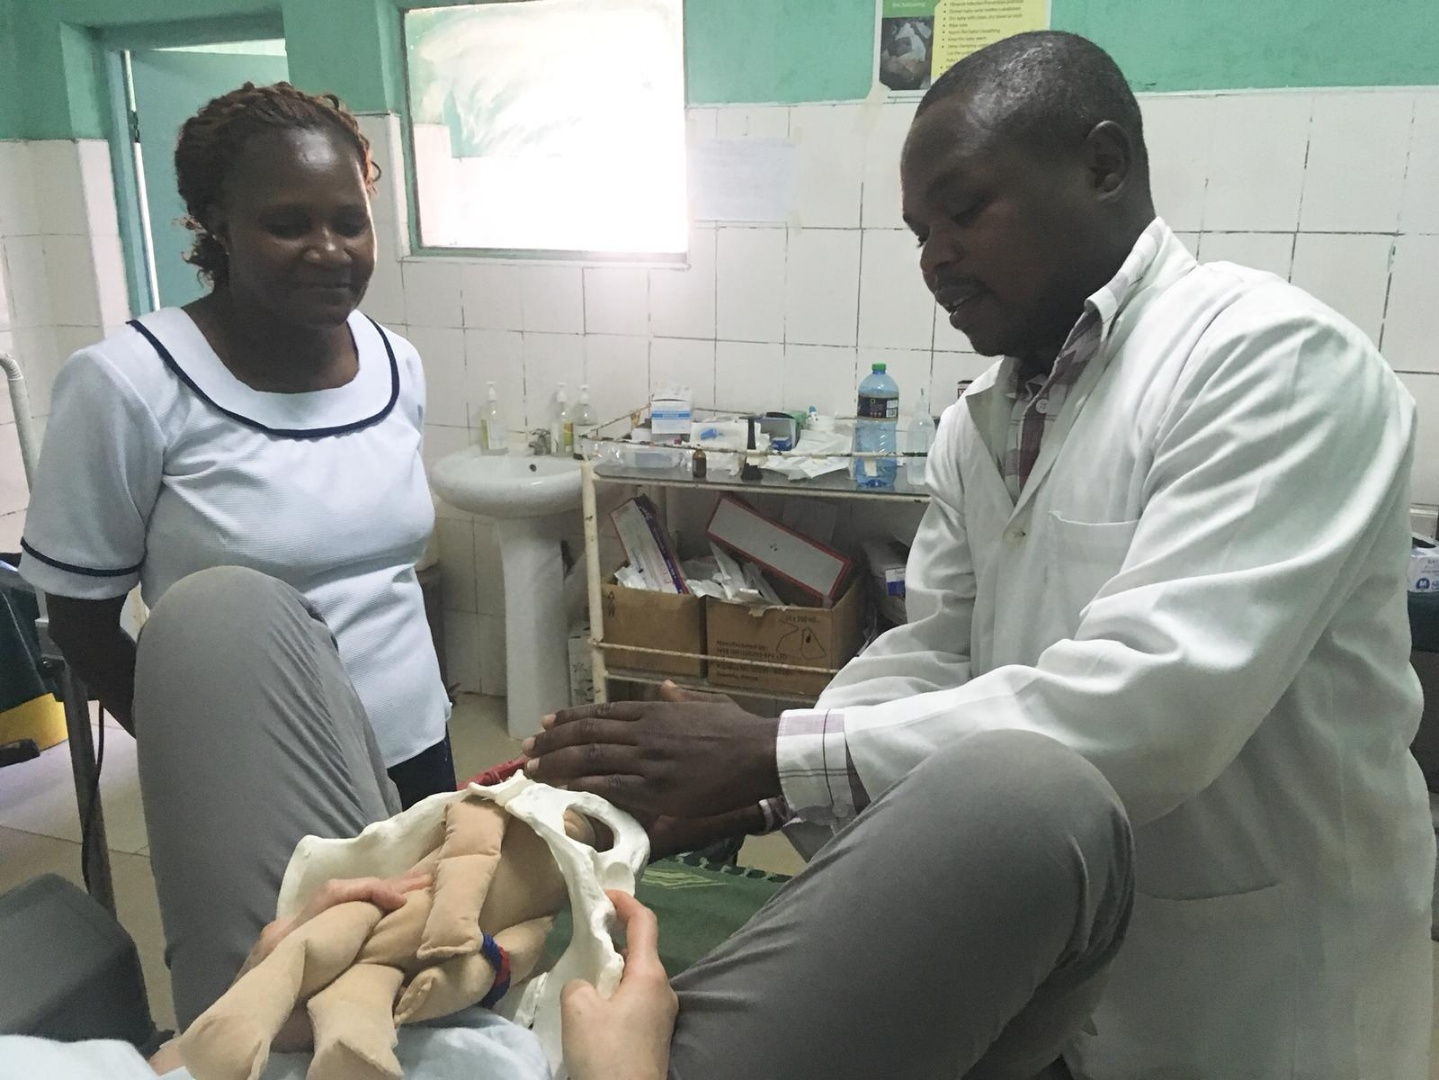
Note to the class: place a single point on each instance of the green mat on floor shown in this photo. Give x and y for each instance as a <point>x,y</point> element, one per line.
<point>699,904</point>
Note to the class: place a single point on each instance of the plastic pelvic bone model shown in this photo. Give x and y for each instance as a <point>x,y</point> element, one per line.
<point>503,859</point>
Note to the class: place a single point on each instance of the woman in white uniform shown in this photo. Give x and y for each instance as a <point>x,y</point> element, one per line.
<point>268,425</point>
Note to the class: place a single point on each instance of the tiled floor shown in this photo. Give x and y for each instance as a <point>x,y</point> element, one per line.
<point>40,831</point>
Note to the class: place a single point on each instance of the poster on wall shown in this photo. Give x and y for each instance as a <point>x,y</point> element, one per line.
<point>917,40</point>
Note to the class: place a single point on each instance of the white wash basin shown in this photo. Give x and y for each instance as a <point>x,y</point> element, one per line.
<point>506,486</point>
<point>526,497</point>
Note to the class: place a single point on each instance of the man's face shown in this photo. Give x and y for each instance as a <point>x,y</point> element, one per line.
<point>1005,230</point>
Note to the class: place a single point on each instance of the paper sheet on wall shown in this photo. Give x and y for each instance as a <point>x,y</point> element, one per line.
<point>918,40</point>
<point>742,180</point>
<point>965,26</point>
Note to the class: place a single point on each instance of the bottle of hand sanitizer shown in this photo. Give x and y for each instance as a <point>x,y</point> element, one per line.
<point>494,438</point>
<point>562,432</point>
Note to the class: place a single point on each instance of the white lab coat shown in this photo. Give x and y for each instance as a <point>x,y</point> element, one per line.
<point>1201,590</point>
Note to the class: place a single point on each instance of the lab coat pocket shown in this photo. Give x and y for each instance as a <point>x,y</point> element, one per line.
<point>1082,557</point>
<point>1212,984</point>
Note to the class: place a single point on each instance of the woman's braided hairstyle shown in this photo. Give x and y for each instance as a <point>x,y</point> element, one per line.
<point>211,141</point>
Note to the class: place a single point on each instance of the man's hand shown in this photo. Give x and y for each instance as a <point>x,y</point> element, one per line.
<point>679,757</point>
<point>628,1036</point>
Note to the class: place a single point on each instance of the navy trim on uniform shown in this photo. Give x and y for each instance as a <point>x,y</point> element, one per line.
<point>71,569</point>
<point>284,433</point>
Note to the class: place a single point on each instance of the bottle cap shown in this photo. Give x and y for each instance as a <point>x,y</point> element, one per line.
<point>879,367</point>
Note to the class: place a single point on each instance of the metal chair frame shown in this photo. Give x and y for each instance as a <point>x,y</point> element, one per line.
<point>95,851</point>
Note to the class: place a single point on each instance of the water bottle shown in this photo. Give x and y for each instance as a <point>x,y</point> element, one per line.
<point>917,440</point>
<point>876,429</point>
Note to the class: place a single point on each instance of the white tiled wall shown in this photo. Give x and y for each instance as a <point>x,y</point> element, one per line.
<point>62,281</point>
<point>1335,190</point>
<point>792,313</point>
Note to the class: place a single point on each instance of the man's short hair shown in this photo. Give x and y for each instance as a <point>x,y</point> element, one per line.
<point>1045,87</point>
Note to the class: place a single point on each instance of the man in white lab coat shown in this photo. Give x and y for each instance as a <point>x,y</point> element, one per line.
<point>1168,531</point>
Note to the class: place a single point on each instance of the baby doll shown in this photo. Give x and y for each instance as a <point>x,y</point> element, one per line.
<point>501,860</point>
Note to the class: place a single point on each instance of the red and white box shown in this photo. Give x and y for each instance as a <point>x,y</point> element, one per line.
<point>779,550</point>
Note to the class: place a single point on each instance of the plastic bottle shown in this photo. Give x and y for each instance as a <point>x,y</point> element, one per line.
<point>876,429</point>
<point>562,431</point>
<point>494,437</point>
<point>582,422</point>
<point>917,440</point>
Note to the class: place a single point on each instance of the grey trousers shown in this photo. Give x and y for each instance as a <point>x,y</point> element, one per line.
<point>962,926</point>
<point>249,736</point>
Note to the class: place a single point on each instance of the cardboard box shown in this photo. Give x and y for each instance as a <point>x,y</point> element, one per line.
<point>779,550</point>
<point>809,636</point>
<point>653,620</point>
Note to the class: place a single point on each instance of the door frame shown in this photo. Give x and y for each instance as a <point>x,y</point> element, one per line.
<point>115,42</point>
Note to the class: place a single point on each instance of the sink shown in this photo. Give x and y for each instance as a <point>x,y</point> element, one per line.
<point>503,486</point>
<point>526,497</point>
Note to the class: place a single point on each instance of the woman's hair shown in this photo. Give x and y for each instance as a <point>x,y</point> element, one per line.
<point>211,142</point>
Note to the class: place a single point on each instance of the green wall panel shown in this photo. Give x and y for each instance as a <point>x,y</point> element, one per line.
<point>54,88</point>
<point>778,50</point>
<point>346,47</point>
<point>1241,44</point>
<point>744,50</point>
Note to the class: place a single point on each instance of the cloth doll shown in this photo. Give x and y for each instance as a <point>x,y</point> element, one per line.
<point>503,860</point>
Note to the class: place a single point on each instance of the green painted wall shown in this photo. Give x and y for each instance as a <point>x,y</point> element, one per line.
<point>1241,44</point>
<point>744,50</point>
<point>9,62</point>
<point>778,50</point>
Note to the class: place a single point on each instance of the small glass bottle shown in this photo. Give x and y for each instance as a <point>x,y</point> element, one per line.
<point>700,466</point>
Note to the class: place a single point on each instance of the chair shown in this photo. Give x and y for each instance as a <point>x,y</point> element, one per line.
<point>95,854</point>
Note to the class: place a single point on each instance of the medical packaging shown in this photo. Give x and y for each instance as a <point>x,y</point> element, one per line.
<point>782,551</point>
<point>886,559</point>
<point>648,546</point>
<point>671,413</point>
<point>1424,568</point>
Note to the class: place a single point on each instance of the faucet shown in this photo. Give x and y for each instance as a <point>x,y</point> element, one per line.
<point>540,444</point>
